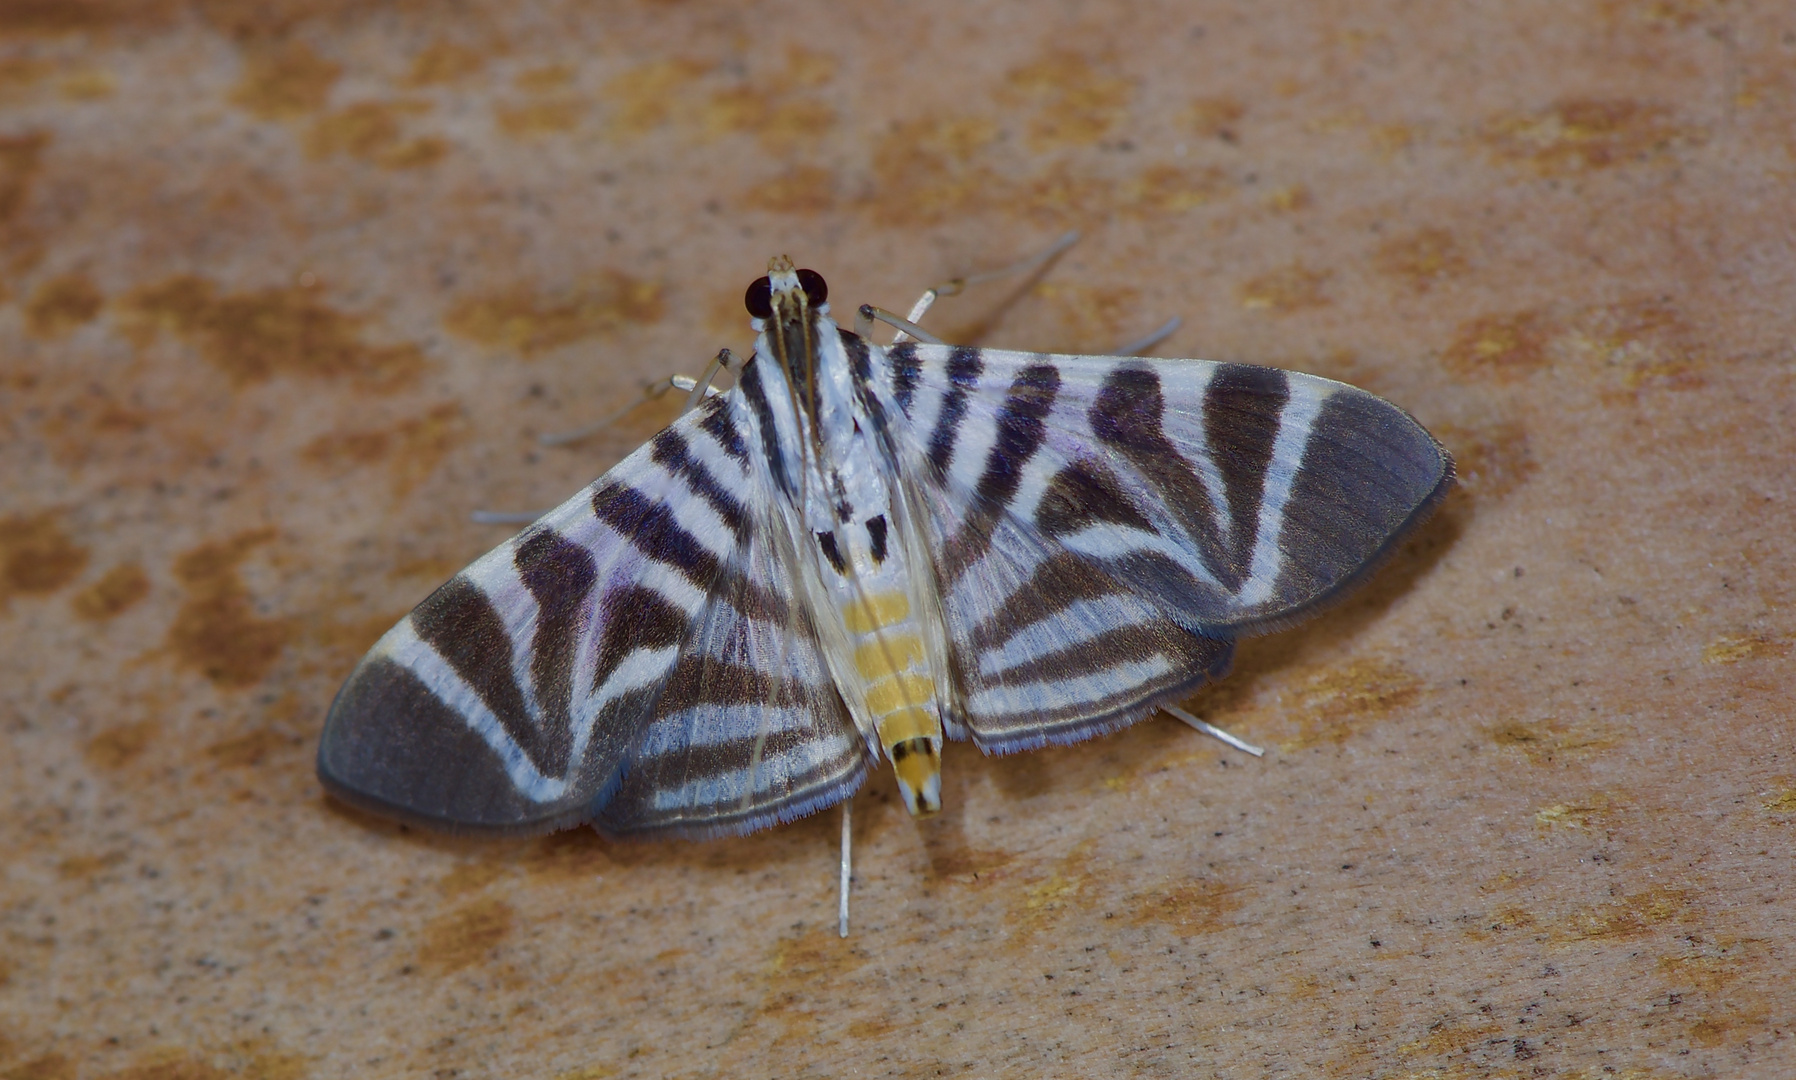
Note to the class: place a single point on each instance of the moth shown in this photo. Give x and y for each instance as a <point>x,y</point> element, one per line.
<point>857,552</point>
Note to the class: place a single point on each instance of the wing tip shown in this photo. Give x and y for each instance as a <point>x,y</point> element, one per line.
<point>1424,509</point>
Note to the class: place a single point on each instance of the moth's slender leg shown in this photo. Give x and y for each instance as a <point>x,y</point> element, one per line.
<point>702,388</point>
<point>907,326</point>
<point>864,318</point>
<point>1148,341</point>
<point>954,286</point>
<point>1213,731</point>
<point>847,839</point>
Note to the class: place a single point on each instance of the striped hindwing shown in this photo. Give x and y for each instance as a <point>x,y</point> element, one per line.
<point>608,664</point>
<point>1105,527</point>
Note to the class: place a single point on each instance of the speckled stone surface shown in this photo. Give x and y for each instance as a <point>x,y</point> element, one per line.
<point>288,288</point>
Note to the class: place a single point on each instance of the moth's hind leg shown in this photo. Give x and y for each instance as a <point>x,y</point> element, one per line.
<point>908,328</point>
<point>1220,734</point>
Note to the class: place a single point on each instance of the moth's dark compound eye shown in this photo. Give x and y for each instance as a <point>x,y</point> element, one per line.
<point>816,290</point>
<point>759,298</point>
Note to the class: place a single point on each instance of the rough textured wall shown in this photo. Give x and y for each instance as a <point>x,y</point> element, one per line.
<point>288,288</point>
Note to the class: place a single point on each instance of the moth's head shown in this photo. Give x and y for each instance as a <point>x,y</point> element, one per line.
<point>785,305</point>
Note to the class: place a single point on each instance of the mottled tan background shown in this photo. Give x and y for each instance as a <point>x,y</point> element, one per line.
<point>290,287</point>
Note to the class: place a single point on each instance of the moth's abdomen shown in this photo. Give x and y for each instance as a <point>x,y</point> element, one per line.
<point>900,691</point>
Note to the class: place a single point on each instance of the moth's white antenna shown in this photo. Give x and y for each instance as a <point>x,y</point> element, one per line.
<point>847,839</point>
<point>1213,731</point>
<point>1143,344</point>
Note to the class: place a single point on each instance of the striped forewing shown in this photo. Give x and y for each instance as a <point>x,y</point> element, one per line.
<point>1116,522</point>
<point>750,729</point>
<point>603,666</point>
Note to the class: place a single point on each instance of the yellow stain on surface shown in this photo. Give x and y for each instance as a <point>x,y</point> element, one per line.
<point>18,74</point>
<point>119,589</point>
<point>471,876</point>
<point>443,62</point>
<point>373,131</point>
<point>62,304</point>
<point>1288,199</point>
<point>550,117</point>
<point>533,322</point>
<point>1452,1036</point>
<point>1290,288</point>
<point>118,746</point>
<point>644,97</point>
<point>1503,919</point>
<point>466,936</point>
<point>414,446</point>
<point>875,612</point>
<point>291,82</point>
<point>255,336</point>
<point>778,124</point>
<point>1733,648</point>
<point>776,108</point>
<point>1093,315</point>
<point>1173,189</point>
<point>925,171</point>
<point>1388,140</point>
<point>1582,134</point>
<point>803,980</point>
<point>804,189</point>
<point>83,867</point>
<point>1551,739</point>
<point>1784,802</point>
<point>1338,701</point>
<point>37,556</point>
<point>217,630</point>
<point>536,322</point>
<point>1500,347</point>
<point>1197,907</point>
<point>1420,259</point>
<point>1718,964</point>
<point>805,69</point>
<point>541,80</point>
<point>1643,343</point>
<point>21,159</point>
<point>587,1072</point>
<point>1216,117</point>
<point>89,85</point>
<point>1582,814</point>
<point>1076,102</point>
<point>250,749</point>
<point>1631,916</point>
